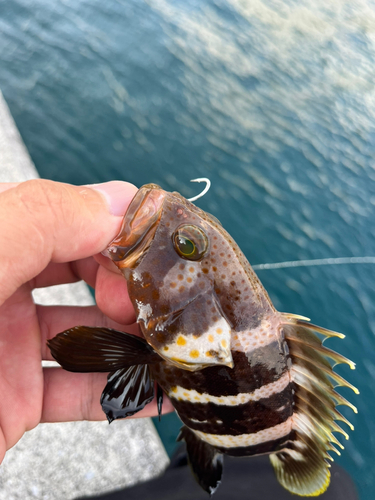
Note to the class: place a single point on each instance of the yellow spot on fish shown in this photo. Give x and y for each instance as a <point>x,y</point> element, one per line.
<point>181,341</point>
<point>210,338</point>
<point>174,388</point>
<point>194,353</point>
<point>209,354</point>
<point>166,348</point>
<point>219,330</point>
<point>224,343</point>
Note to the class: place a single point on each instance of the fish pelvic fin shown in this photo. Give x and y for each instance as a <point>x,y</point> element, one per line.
<point>127,392</point>
<point>205,461</point>
<point>301,466</point>
<point>94,349</point>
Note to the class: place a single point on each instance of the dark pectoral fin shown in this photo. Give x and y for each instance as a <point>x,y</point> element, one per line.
<point>159,399</point>
<point>127,391</point>
<point>205,461</point>
<point>93,349</point>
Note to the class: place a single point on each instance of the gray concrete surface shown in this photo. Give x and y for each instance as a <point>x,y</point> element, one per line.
<point>63,461</point>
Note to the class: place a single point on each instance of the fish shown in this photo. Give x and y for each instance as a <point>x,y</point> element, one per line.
<point>244,379</point>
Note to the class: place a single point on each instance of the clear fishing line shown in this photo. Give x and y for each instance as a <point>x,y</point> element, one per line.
<point>315,262</point>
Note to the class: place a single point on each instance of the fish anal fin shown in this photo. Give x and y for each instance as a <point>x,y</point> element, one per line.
<point>94,349</point>
<point>205,461</point>
<point>301,467</point>
<point>159,400</point>
<point>127,391</point>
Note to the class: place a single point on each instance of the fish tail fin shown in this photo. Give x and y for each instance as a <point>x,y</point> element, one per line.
<point>302,466</point>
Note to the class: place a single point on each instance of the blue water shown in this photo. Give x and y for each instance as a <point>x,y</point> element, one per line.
<point>274,101</point>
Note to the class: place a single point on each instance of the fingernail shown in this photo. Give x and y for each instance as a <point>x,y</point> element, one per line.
<point>118,195</point>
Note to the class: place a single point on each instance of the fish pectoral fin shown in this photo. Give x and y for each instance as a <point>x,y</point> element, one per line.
<point>302,467</point>
<point>205,461</point>
<point>127,391</point>
<point>199,335</point>
<point>93,349</point>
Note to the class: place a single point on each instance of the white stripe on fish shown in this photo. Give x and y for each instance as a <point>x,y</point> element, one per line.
<point>267,332</point>
<point>243,440</point>
<point>265,391</point>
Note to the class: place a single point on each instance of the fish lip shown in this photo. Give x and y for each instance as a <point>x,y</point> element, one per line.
<point>138,227</point>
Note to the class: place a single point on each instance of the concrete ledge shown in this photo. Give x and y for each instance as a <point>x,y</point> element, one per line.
<point>63,461</point>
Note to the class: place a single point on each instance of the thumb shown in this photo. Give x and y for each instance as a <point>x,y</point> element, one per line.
<point>43,221</point>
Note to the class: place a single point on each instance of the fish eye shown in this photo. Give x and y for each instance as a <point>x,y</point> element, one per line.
<point>190,242</point>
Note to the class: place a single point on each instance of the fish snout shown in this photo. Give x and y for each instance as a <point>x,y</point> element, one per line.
<point>138,227</point>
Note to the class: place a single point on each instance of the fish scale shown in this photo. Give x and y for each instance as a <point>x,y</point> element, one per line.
<point>244,378</point>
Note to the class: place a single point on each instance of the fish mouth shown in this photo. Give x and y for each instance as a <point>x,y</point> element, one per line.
<point>138,227</point>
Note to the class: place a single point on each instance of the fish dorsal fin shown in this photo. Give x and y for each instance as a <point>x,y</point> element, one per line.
<point>301,466</point>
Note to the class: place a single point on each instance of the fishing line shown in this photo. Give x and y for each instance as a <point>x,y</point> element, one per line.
<point>335,261</point>
<point>315,262</point>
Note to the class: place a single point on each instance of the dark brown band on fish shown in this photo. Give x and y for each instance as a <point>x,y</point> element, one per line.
<point>250,372</point>
<point>246,418</point>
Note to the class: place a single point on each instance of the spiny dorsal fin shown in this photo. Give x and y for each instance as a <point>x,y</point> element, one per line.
<point>301,466</point>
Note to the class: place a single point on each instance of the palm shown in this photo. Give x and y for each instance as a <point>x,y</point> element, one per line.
<point>31,394</point>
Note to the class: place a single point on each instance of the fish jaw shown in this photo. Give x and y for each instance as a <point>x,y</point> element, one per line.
<point>138,227</point>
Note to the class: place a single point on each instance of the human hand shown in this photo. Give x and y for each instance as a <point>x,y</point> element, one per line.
<point>49,233</point>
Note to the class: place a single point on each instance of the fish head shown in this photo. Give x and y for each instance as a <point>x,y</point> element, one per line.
<point>163,250</point>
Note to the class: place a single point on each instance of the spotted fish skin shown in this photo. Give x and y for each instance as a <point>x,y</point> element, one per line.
<point>244,378</point>
<point>228,367</point>
<point>184,306</point>
<point>242,408</point>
